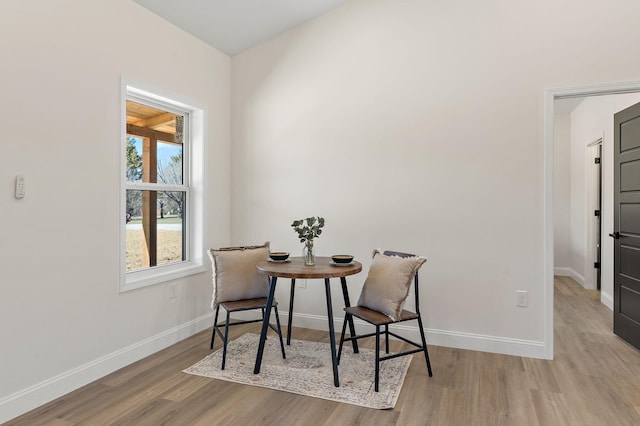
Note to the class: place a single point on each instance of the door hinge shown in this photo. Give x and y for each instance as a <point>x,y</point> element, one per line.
<point>596,213</point>
<point>596,265</point>
<point>597,160</point>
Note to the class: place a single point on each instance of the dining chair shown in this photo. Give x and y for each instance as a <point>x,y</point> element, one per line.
<point>239,286</point>
<point>382,301</point>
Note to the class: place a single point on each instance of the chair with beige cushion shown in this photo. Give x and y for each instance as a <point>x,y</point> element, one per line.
<point>239,286</point>
<point>382,300</point>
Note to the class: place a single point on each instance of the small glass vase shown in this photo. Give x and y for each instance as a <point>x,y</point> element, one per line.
<point>309,258</point>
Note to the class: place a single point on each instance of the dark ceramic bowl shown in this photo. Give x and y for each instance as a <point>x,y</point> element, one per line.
<point>279,255</point>
<point>342,258</point>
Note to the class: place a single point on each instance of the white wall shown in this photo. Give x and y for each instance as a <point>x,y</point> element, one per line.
<point>591,120</point>
<point>63,319</point>
<point>562,193</point>
<point>418,126</point>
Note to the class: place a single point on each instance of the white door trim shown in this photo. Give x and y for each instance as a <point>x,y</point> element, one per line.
<point>550,95</point>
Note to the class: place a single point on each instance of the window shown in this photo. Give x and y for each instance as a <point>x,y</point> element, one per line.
<point>162,216</point>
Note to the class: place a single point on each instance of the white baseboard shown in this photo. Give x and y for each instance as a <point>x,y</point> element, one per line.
<point>485,343</point>
<point>469,341</point>
<point>34,396</point>
<point>607,300</point>
<point>568,272</point>
<point>562,272</point>
<point>50,389</point>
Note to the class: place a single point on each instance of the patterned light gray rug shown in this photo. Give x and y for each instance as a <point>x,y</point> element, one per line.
<point>307,371</point>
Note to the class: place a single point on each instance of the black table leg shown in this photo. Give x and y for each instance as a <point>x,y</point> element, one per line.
<point>290,319</point>
<point>352,329</point>
<point>332,335</point>
<point>265,324</point>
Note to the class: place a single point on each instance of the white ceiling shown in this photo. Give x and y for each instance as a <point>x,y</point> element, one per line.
<point>233,26</point>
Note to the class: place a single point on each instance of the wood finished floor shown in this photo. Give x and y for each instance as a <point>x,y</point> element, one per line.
<point>594,380</point>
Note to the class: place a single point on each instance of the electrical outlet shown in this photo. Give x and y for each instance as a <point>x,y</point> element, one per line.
<point>302,283</point>
<point>522,298</point>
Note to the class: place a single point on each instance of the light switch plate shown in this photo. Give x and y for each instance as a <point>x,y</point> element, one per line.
<point>523,298</point>
<point>19,187</point>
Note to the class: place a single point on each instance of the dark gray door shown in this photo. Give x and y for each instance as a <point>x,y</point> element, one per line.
<point>626,285</point>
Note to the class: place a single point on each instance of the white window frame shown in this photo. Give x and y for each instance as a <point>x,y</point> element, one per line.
<point>193,183</point>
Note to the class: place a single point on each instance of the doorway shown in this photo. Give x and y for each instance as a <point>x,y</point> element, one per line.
<point>551,96</point>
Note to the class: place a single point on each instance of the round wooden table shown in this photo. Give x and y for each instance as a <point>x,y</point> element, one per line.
<point>294,268</point>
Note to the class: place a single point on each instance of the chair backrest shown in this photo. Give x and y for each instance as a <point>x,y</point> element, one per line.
<point>397,253</point>
<point>235,276</point>
<point>415,278</point>
<point>388,282</point>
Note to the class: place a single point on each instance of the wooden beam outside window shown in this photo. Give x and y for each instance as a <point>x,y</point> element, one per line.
<point>150,133</point>
<point>150,201</point>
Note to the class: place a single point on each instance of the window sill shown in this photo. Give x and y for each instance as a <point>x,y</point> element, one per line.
<point>160,274</point>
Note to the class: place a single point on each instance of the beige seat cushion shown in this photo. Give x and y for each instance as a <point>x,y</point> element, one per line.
<point>387,285</point>
<point>235,276</point>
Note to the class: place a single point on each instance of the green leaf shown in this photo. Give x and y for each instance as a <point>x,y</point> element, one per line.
<point>308,228</point>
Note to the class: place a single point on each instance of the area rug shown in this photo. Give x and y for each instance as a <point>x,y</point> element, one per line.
<point>308,371</point>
